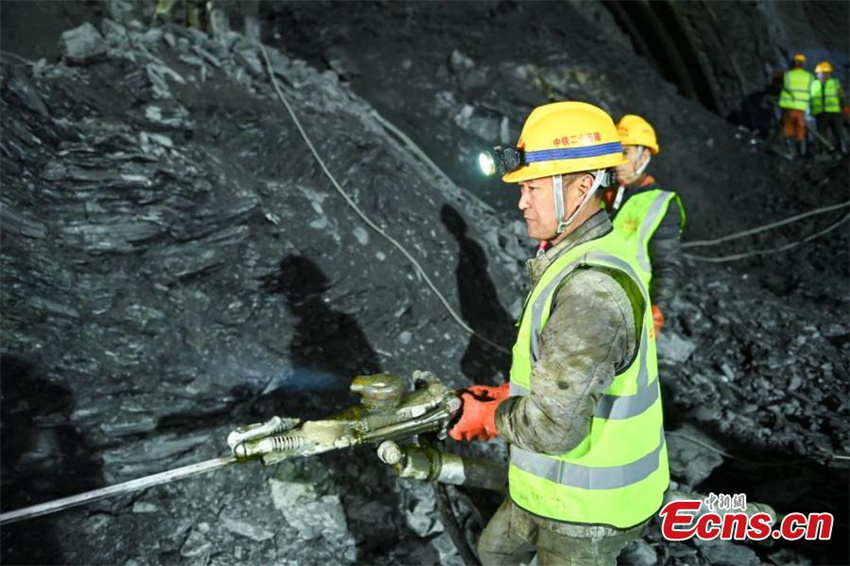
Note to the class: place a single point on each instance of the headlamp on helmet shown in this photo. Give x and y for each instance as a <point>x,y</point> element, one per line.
<point>500,160</point>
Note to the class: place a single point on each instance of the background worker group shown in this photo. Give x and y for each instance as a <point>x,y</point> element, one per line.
<point>822,95</point>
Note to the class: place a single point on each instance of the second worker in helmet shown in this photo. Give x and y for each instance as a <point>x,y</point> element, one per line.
<point>648,217</point>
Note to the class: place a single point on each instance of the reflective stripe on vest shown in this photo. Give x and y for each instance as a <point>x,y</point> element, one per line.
<point>618,473</point>
<point>587,477</point>
<point>649,225</point>
<point>620,407</point>
<point>616,407</point>
<point>796,90</point>
<point>638,220</point>
<point>826,97</point>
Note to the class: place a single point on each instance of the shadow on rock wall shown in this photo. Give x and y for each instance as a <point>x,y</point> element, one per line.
<point>43,458</point>
<point>328,350</point>
<point>480,308</point>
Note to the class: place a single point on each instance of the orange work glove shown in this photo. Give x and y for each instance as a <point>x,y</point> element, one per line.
<point>487,392</point>
<point>657,318</point>
<point>477,419</point>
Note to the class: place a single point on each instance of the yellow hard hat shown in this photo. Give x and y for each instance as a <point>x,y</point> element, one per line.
<point>799,57</point>
<point>823,67</point>
<point>634,130</point>
<point>566,137</point>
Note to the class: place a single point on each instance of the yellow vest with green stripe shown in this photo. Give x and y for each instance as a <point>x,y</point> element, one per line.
<point>637,221</point>
<point>618,474</point>
<point>796,90</point>
<point>826,97</point>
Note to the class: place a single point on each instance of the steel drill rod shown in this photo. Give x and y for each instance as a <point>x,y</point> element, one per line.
<point>126,487</point>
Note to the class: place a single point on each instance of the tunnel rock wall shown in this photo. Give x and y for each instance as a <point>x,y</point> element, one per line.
<point>719,52</point>
<point>175,264</point>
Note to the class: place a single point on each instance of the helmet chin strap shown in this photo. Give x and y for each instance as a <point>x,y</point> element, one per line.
<point>558,183</point>
<point>639,171</point>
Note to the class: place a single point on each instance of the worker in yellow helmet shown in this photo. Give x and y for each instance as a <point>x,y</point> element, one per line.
<point>794,102</point>
<point>827,105</point>
<point>582,412</point>
<point>649,218</point>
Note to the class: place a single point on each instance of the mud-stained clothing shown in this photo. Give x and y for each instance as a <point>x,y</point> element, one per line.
<point>514,535</point>
<point>591,334</point>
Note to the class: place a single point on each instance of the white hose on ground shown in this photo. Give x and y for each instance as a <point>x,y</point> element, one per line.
<point>365,218</point>
<point>770,251</point>
<point>766,227</point>
<point>721,452</point>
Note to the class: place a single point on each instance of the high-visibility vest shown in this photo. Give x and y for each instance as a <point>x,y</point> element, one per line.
<point>637,221</point>
<point>618,473</point>
<point>826,97</point>
<point>796,90</point>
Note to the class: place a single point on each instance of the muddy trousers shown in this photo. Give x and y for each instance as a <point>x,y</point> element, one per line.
<point>510,538</point>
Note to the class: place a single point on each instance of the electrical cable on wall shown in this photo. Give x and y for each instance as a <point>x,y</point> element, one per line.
<point>365,218</point>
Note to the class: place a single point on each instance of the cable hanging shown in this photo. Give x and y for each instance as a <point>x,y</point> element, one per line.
<point>363,216</point>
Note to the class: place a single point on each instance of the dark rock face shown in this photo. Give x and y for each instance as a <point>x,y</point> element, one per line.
<point>44,457</point>
<point>176,264</point>
<point>740,46</point>
<point>579,54</point>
